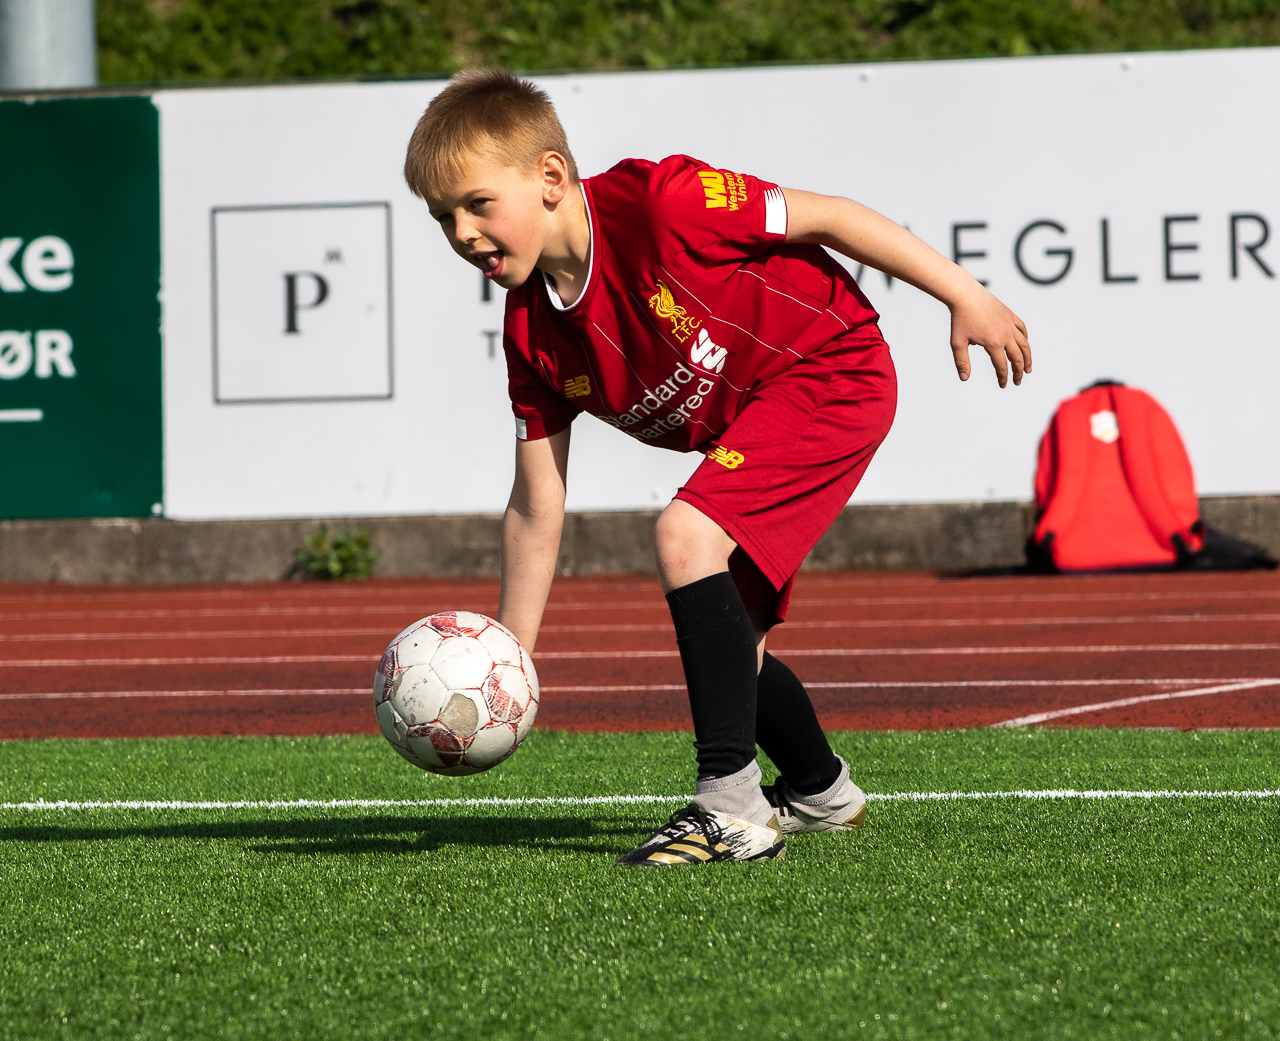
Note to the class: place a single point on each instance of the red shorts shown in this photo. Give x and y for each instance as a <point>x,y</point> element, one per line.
<point>785,468</point>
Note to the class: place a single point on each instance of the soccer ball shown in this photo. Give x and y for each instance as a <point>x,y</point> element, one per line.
<point>455,693</point>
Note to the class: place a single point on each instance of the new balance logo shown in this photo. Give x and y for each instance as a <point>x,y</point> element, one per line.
<point>726,457</point>
<point>578,387</point>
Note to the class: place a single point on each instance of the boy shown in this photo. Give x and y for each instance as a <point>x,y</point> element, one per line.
<point>694,309</point>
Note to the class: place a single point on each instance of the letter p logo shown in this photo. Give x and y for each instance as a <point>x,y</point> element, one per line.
<point>291,304</point>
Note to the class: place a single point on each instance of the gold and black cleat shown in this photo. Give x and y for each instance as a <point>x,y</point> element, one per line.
<point>698,836</point>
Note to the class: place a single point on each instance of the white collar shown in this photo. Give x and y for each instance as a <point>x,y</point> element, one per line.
<point>591,261</point>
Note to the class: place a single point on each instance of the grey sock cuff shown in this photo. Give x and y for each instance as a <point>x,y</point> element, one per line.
<point>822,798</point>
<point>749,774</point>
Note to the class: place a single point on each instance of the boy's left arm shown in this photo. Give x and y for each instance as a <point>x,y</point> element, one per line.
<point>861,234</point>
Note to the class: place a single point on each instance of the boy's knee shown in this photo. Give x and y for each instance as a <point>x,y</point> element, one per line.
<point>689,545</point>
<point>681,529</point>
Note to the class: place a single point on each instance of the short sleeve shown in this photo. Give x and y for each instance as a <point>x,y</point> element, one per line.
<point>720,215</point>
<point>539,410</point>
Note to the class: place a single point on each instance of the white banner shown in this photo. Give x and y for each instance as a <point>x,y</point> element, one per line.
<point>326,354</point>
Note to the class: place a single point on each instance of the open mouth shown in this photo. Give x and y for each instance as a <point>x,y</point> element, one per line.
<point>490,263</point>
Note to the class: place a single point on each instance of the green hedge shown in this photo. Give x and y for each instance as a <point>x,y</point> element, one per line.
<point>150,41</point>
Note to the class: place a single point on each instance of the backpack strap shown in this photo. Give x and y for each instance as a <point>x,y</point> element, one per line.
<point>1158,471</point>
<point>1062,473</point>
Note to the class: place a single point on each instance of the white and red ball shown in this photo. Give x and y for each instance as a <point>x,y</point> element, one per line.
<point>455,693</point>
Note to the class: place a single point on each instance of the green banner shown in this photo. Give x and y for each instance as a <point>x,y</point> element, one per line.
<point>80,395</point>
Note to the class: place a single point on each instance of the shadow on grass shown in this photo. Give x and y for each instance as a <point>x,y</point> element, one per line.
<point>354,835</point>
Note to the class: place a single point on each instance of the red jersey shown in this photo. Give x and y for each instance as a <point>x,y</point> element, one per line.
<point>693,301</point>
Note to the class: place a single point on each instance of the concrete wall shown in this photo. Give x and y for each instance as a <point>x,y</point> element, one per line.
<point>953,536</point>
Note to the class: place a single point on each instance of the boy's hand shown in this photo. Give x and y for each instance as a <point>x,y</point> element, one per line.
<point>979,318</point>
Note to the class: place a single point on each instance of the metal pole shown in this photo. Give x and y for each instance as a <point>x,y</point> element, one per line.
<point>48,44</point>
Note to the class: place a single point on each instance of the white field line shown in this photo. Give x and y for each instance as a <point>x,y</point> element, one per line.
<point>826,652</point>
<point>637,688</point>
<point>862,623</point>
<point>421,605</point>
<point>1102,706</point>
<point>1047,795</point>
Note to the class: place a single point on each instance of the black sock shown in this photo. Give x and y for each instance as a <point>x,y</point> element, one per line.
<point>789,731</point>
<point>718,650</point>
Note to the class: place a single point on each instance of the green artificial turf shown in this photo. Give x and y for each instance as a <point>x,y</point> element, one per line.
<point>993,918</point>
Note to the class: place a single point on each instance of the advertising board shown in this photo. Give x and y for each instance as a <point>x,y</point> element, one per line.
<point>80,427</point>
<point>1124,206</point>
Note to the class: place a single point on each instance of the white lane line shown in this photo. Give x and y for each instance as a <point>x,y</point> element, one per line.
<point>1039,598</point>
<point>1102,706</point>
<point>271,692</point>
<point>409,612</point>
<point>827,652</point>
<point>1197,618</point>
<point>636,688</point>
<point>870,652</point>
<point>21,415</point>
<point>192,634</point>
<point>1047,795</point>
<point>903,684</point>
<point>440,601</point>
<point>275,659</point>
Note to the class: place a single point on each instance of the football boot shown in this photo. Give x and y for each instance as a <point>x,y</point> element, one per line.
<point>695,835</point>
<point>842,807</point>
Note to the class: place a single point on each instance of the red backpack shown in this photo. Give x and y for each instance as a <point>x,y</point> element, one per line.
<point>1114,487</point>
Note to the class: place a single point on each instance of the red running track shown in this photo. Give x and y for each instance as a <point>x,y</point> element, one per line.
<point>878,651</point>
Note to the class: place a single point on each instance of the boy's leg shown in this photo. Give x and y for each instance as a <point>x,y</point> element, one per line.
<point>729,818</point>
<point>720,652</point>
<point>814,792</point>
<point>779,476</point>
<point>788,730</point>
<point>782,473</point>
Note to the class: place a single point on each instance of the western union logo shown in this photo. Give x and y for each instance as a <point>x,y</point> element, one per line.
<point>713,186</point>
<point>578,387</point>
<point>726,457</point>
<point>723,189</point>
<point>664,306</point>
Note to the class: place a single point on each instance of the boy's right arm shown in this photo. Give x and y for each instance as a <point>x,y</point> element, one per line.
<point>531,533</point>
<point>977,317</point>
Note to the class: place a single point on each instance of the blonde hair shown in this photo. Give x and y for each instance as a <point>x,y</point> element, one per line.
<point>483,113</point>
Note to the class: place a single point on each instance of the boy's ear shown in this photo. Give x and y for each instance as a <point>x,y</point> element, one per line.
<point>554,171</point>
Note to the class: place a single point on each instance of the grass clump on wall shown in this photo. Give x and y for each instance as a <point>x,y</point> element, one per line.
<point>348,556</point>
<point>151,41</point>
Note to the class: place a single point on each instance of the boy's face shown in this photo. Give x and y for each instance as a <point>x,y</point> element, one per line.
<point>495,217</point>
